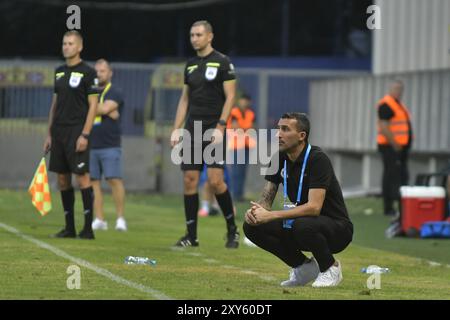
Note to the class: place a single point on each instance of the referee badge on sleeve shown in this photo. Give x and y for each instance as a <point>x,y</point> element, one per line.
<point>231,71</point>
<point>211,73</point>
<point>75,79</point>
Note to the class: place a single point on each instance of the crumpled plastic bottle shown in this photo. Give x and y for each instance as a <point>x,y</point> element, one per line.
<point>140,260</point>
<point>374,269</point>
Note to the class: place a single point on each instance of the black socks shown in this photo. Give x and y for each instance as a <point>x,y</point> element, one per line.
<point>191,203</point>
<point>226,204</point>
<point>68,201</point>
<point>88,203</point>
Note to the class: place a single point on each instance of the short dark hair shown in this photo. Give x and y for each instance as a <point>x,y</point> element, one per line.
<point>101,60</point>
<point>205,23</point>
<point>302,121</point>
<point>74,33</point>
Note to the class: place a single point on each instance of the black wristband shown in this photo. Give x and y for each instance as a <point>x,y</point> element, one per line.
<point>85,135</point>
<point>222,122</point>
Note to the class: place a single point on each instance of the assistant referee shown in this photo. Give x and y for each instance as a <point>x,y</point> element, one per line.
<point>207,98</point>
<point>71,117</point>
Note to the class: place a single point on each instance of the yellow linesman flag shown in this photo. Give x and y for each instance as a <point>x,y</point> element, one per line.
<point>40,190</point>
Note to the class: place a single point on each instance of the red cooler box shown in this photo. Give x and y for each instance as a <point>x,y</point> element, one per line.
<point>420,205</point>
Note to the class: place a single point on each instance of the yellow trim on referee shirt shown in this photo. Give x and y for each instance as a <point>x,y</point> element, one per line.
<point>190,69</point>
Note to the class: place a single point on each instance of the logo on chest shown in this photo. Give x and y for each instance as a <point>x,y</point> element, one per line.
<point>211,73</point>
<point>75,79</point>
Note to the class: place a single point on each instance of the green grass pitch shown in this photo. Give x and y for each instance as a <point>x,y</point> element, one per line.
<point>210,271</point>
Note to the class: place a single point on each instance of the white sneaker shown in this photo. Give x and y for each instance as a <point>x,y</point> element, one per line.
<point>98,224</point>
<point>302,275</point>
<point>249,243</point>
<point>330,278</point>
<point>121,224</point>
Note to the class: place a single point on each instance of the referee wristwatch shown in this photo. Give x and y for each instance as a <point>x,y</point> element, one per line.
<point>222,122</point>
<point>85,135</point>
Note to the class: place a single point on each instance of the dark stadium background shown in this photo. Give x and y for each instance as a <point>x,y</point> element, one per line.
<point>286,28</point>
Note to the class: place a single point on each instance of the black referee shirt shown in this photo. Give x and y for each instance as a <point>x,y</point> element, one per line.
<point>319,174</point>
<point>205,77</point>
<point>73,85</point>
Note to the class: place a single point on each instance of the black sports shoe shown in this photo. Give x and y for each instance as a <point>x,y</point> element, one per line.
<point>232,239</point>
<point>86,234</point>
<point>187,241</point>
<point>64,233</point>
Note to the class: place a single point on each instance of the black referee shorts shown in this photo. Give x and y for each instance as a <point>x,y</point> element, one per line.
<point>196,145</point>
<point>63,158</point>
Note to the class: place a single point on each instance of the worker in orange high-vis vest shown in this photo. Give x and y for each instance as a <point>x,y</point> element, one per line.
<point>241,117</point>
<point>394,142</point>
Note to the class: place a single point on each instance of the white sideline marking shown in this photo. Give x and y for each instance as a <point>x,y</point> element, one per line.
<point>266,278</point>
<point>177,248</point>
<point>226,266</point>
<point>249,272</point>
<point>211,260</point>
<point>419,260</point>
<point>434,264</point>
<point>195,254</point>
<point>155,293</point>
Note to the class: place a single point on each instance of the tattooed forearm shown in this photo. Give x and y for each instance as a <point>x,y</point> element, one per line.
<point>268,195</point>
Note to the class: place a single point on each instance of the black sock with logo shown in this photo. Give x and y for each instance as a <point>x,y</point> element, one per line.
<point>226,205</point>
<point>191,203</point>
<point>88,203</point>
<point>68,202</point>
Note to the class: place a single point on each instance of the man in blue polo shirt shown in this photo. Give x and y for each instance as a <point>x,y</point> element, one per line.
<point>106,152</point>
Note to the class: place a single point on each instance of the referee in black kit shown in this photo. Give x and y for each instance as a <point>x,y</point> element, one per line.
<point>314,218</point>
<point>207,97</point>
<point>70,122</point>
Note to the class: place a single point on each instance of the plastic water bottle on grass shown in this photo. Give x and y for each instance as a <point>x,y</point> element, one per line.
<point>140,260</point>
<point>375,269</point>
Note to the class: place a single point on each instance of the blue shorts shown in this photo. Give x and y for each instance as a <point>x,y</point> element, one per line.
<point>105,162</point>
